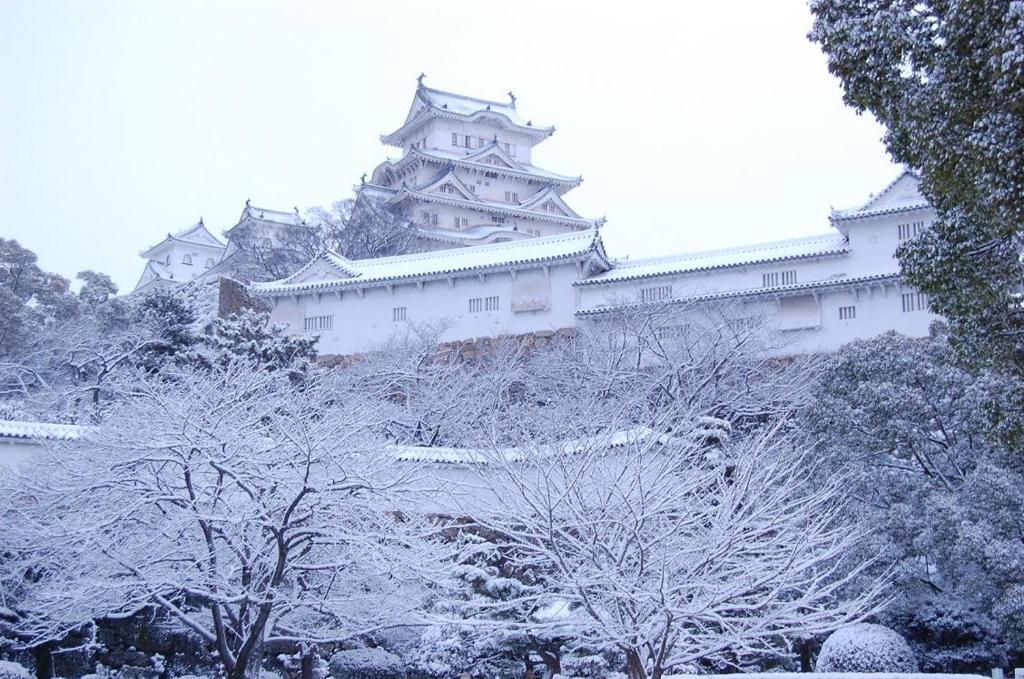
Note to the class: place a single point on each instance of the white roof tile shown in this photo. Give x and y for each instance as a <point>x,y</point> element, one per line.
<point>361,272</point>
<point>40,431</point>
<point>623,270</point>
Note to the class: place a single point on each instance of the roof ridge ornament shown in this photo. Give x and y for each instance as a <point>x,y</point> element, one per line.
<point>512,97</point>
<point>419,79</point>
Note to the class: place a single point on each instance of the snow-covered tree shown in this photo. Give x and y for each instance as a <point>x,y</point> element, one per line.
<point>363,228</point>
<point>946,80</point>
<point>616,515</point>
<point>908,427</point>
<point>255,511</point>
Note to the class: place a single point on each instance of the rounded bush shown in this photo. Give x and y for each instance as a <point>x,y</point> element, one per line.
<point>12,670</point>
<point>866,648</point>
<point>366,663</point>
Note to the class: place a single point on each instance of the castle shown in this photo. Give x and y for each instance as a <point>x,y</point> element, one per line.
<point>501,252</point>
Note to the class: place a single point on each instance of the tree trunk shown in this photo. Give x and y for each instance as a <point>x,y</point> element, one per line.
<point>552,663</point>
<point>529,668</point>
<point>635,666</point>
<point>308,656</point>
<point>43,656</point>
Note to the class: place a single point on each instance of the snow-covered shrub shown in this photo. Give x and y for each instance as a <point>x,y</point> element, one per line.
<point>12,670</point>
<point>366,663</point>
<point>865,647</point>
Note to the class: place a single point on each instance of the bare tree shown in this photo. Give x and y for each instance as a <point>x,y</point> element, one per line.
<point>364,228</point>
<point>612,478</point>
<point>256,512</point>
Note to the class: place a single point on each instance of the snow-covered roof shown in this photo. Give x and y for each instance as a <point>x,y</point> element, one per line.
<point>477,456</point>
<point>476,159</point>
<point>473,234</point>
<point>902,193</point>
<point>825,245</point>
<point>153,272</point>
<point>40,431</point>
<point>288,218</point>
<point>429,103</point>
<point>775,290</point>
<point>488,207</point>
<point>331,270</point>
<point>197,234</point>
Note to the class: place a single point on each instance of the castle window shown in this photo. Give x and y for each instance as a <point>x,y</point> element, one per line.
<point>909,230</point>
<point>774,278</point>
<point>497,220</point>
<point>491,303</point>
<point>476,305</point>
<point>168,260</point>
<point>914,301</point>
<point>209,262</point>
<point>447,188</point>
<point>491,175</point>
<point>186,259</point>
<point>455,139</point>
<point>469,142</point>
<point>398,314</point>
<point>658,293</point>
<point>847,313</point>
<point>318,323</point>
<point>480,142</point>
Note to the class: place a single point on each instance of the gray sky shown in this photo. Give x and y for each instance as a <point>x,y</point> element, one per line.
<point>694,124</point>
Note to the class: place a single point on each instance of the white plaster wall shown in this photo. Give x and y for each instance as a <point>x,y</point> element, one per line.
<point>361,323</point>
<point>13,452</point>
<point>438,135</point>
<point>176,251</point>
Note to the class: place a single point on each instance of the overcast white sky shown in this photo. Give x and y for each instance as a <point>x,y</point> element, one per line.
<point>694,124</point>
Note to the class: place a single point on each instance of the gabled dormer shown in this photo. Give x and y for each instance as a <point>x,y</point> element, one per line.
<point>431,104</point>
<point>549,202</point>
<point>447,183</point>
<point>901,195</point>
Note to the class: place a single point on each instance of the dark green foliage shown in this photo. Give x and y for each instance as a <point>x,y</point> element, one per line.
<point>909,427</point>
<point>946,79</point>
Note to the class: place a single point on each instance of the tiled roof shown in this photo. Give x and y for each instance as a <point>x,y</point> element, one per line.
<point>153,271</point>
<point>431,103</point>
<point>384,270</point>
<point>901,194</point>
<point>471,160</point>
<point>800,248</point>
<point>40,431</point>
<point>473,234</point>
<point>197,234</point>
<point>277,216</point>
<point>477,456</point>
<point>844,281</point>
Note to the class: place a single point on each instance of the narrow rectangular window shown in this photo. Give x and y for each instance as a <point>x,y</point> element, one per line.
<point>455,139</point>
<point>398,314</point>
<point>465,222</point>
<point>847,313</point>
<point>433,219</point>
<point>476,305</point>
<point>491,303</point>
<point>469,142</point>
<point>914,301</point>
<point>508,196</point>
<point>658,293</point>
<point>318,323</point>
<point>515,197</point>
<point>455,221</point>
<point>480,142</point>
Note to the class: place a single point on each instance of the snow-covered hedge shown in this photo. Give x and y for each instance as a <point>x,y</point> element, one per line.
<point>865,647</point>
<point>366,663</point>
<point>12,670</point>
